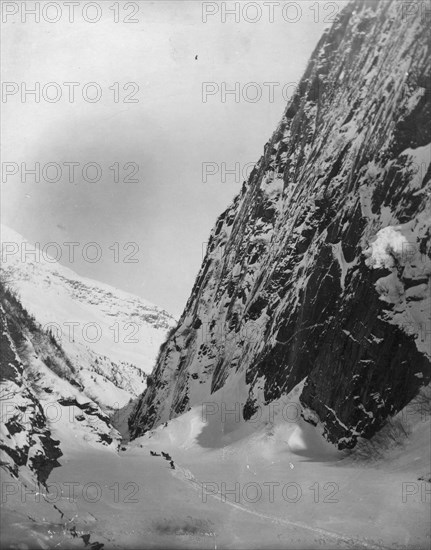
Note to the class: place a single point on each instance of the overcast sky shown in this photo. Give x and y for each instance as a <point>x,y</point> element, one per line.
<point>167,133</point>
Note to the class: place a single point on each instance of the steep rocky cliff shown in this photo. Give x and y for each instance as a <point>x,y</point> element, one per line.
<point>320,269</point>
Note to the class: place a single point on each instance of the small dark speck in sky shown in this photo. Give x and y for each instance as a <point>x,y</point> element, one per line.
<point>196,56</point>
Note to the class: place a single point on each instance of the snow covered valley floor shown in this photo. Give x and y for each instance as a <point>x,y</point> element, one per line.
<point>232,485</point>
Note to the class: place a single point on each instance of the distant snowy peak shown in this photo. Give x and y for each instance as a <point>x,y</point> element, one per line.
<point>113,335</point>
<point>28,259</point>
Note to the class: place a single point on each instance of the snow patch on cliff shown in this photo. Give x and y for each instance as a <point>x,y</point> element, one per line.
<point>407,289</point>
<point>420,160</point>
<point>390,243</point>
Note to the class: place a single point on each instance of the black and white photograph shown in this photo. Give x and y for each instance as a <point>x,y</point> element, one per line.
<point>215,280</point>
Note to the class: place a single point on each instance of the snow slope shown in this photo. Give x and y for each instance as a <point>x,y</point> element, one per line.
<point>277,485</point>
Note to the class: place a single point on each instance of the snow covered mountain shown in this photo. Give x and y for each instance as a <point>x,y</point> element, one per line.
<point>312,307</point>
<point>111,336</point>
<point>319,273</point>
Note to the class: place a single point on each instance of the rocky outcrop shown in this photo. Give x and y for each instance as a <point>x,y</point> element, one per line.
<point>25,436</point>
<point>320,269</point>
<point>42,403</point>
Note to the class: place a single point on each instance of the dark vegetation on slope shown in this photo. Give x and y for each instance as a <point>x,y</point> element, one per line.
<point>24,412</point>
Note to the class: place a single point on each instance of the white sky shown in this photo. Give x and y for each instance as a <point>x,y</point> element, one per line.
<point>169,133</point>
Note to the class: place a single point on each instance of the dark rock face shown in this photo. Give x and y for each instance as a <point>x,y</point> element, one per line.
<point>320,269</point>
<point>22,414</point>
